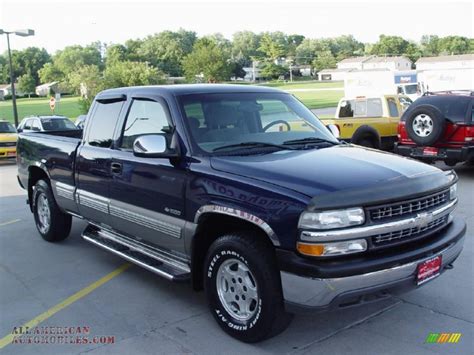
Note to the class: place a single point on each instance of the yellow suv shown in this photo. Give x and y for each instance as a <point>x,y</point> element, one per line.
<point>8,137</point>
<point>370,121</point>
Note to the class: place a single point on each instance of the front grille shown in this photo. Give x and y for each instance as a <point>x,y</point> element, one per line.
<point>409,233</point>
<point>7,144</point>
<point>405,208</point>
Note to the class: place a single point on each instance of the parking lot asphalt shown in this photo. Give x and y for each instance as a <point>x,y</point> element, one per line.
<point>63,285</point>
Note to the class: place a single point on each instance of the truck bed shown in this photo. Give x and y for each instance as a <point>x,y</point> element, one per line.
<point>54,152</point>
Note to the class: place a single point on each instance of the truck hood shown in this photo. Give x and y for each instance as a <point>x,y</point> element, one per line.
<point>8,137</point>
<point>342,169</point>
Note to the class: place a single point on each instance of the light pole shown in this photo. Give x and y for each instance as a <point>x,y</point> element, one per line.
<point>22,33</point>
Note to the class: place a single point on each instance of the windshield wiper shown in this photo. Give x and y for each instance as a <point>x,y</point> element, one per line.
<point>310,140</point>
<point>253,145</point>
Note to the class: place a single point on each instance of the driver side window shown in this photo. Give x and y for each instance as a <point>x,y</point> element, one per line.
<point>145,117</point>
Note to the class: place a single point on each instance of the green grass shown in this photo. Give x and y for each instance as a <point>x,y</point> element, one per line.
<point>320,99</point>
<point>68,106</point>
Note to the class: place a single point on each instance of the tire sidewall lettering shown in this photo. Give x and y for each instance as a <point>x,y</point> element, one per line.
<point>222,315</point>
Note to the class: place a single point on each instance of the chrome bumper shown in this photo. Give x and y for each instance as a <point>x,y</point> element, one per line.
<point>319,294</point>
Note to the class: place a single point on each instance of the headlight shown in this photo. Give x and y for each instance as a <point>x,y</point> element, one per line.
<point>453,191</point>
<point>332,249</point>
<point>332,219</point>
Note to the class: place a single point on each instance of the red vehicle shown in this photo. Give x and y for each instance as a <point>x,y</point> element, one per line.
<point>439,126</point>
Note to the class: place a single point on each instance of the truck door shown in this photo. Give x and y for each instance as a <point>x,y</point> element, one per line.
<point>93,163</point>
<point>147,194</point>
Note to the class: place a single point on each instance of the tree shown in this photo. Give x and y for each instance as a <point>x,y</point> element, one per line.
<point>245,47</point>
<point>345,46</point>
<point>50,73</point>
<point>116,53</point>
<point>237,68</point>
<point>273,71</point>
<point>293,41</point>
<point>29,60</point>
<point>429,45</point>
<point>271,48</point>
<point>70,60</point>
<point>130,73</point>
<point>165,50</point>
<point>324,60</point>
<point>88,82</point>
<point>73,57</point>
<point>390,45</point>
<point>454,45</point>
<point>4,74</point>
<point>209,60</point>
<point>413,51</point>
<point>309,49</point>
<point>27,83</point>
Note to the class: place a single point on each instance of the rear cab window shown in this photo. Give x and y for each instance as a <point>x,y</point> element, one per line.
<point>102,123</point>
<point>371,107</point>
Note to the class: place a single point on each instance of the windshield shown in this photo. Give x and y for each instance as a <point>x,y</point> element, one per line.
<point>411,89</point>
<point>218,120</point>
<point>57,124</point>
<point>6,127</point>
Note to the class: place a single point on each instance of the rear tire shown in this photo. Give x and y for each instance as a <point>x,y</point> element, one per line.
<point>52,224</point>
<point>243,287</point>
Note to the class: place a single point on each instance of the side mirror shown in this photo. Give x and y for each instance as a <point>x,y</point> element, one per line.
<point>152,146</point>
<point>19,130</point>
<point>334,130</point>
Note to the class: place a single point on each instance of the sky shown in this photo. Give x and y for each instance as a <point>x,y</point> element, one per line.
<point>61,23</point>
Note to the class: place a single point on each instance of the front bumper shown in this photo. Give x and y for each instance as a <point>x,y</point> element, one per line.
<point>308,293</point>
<point>454,154</point>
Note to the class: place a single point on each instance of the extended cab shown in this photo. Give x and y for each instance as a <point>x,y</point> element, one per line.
<point>193,183</point>
<point>370,121</point>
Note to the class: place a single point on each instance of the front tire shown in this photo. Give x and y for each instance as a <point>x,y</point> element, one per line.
<point>243,287</point>
<point>52,224</point>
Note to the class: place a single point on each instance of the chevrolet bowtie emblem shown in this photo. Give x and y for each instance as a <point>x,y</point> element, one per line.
<point>423,219</point>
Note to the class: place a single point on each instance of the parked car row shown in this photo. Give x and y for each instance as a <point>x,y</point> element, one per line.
<point>437,126</point>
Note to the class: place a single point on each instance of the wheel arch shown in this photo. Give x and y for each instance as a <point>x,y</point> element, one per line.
<point>215,221</point>
<point>35,173</point>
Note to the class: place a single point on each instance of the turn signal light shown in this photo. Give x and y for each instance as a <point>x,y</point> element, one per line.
<point>332,248</point>
<point>311,249</point>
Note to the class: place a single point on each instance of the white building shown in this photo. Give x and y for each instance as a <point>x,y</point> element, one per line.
<point>333,74</point>
<point>6,90</point>
<point>353,62</point>
<point>45,89</point>
<point>251,73</point>
<point>461,61</point>
<point>391,63</point>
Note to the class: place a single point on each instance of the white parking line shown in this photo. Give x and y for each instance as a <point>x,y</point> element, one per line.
<point>9,222</point>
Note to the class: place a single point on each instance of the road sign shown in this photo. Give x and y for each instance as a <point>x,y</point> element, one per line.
<point>57,97</point>
<point>52,103</point>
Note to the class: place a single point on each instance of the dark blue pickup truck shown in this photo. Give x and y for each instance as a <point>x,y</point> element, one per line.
<point>243,192</point>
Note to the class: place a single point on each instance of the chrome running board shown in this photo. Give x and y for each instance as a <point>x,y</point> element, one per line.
<point>152,259</point>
